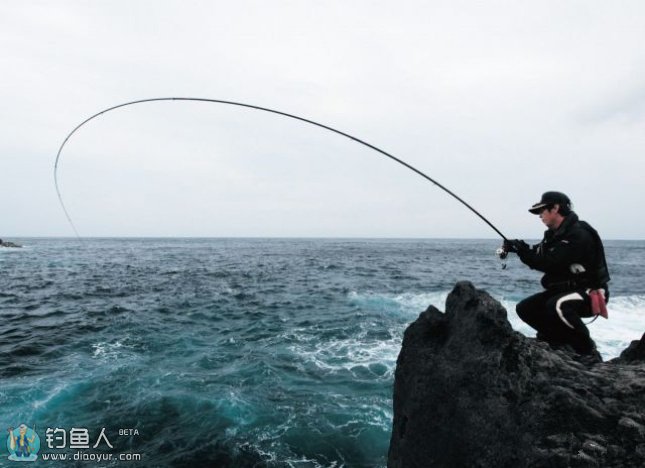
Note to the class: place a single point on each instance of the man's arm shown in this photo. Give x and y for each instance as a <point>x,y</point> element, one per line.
<point>561,254</point>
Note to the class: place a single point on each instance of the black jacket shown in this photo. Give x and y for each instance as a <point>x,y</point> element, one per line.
<point>571,257</point>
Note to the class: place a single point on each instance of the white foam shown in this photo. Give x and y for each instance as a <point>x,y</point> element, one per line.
<point>360,355</point>
<point>357,355</point>
<point>57,390</point>
<point>626,319</point>
<point>626,323</point>
<point>106,350</point>
<point>114,351</point>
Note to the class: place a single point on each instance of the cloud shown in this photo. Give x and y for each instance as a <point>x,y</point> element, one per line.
<point>499,101</point>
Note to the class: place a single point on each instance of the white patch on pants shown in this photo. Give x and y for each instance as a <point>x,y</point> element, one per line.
<point>558,306</point>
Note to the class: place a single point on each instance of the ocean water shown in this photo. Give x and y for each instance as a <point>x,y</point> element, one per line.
<point>239,352</point>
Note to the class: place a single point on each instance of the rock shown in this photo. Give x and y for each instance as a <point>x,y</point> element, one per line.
<point>471,392</point>
<point>634,352</point>
<point>9,244</point>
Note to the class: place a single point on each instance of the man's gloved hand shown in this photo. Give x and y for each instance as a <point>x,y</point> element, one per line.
<point>516,245</point>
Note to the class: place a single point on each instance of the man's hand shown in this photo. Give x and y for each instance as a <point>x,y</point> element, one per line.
<point>516,245</point>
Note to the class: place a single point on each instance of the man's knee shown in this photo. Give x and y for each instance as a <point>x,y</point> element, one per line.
<point>524,310</point>
<point>567,309</point>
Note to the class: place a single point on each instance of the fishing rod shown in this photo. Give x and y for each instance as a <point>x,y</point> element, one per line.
<point>265,109</point>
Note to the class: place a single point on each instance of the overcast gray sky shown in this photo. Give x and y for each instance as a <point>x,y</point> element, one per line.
<point>497,100</point>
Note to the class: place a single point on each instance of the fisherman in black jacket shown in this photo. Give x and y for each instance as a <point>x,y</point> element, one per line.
<point>572,257</point>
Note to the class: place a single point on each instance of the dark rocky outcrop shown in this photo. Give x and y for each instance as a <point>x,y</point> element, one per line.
<point>9,244</point>
<point>471,392</point>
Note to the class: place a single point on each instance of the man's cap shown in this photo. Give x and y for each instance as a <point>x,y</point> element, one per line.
<point>550,198</point>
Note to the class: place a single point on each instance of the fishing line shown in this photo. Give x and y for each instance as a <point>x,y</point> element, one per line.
<point>265,109</point>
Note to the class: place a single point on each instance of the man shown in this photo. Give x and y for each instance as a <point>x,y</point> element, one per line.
<point>21,444</point>
<point>572,257</point>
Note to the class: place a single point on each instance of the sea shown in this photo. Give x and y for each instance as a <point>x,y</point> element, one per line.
<point>238,352</point>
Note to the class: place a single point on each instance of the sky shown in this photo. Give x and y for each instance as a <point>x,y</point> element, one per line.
<point>498,101</point>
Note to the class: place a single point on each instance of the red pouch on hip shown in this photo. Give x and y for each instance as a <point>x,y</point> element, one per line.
<point>598,304</point>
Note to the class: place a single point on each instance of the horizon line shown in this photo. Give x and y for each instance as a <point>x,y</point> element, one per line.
<point>283,237</point>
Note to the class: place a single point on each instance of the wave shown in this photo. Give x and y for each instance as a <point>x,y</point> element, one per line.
<point>626,321</point>
<point>408,303</point>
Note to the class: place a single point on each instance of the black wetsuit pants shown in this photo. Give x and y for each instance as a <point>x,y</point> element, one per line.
<point>557,318</point>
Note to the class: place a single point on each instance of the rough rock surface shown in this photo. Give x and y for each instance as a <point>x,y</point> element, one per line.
<point>471,392</point>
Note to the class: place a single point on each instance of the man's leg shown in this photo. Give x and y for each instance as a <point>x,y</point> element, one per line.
<point>532,311</point>
<point>566,310</point>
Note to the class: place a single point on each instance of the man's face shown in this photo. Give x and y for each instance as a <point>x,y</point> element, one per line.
<point>551,218</point>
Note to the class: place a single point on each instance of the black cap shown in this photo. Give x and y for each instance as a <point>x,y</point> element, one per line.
<point>550,198</point>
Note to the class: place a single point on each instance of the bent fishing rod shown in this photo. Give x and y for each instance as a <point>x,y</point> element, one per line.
<point>259,108</point>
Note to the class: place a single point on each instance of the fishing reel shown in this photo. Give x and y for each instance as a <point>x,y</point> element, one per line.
<point>502,253</point>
